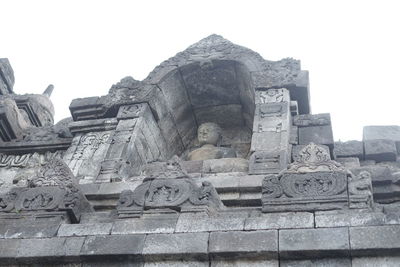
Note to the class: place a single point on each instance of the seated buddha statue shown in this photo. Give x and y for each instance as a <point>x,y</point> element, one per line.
<point>209,136</point>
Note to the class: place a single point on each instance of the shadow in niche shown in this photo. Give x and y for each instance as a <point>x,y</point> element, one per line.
<point>218,91</point>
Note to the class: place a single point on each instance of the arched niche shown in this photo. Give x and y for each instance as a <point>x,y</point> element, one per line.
<point>219,91</point>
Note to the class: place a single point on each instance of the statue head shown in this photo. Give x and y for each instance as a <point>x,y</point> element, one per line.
<point>209,133</point>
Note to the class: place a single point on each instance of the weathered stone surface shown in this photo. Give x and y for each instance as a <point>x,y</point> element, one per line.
<point>244,263</point>
<point>9,250</point>
<point>328,262</point>
<point>109,246</point>
<point>389,132</point>
<point>349,162</point>
<point>174,263</point>
<point>348,218</point>
<point>375,261</point>
<point>307,120</point>
<point>296,150</point>
<point>373,240</point>
<point>263,161</point>
<point>202,223</point>
<point>321,135</point>
<point>176,246</point>
<point>380,150</point>
<point>225,165</point>
<point>6,77</point>
<point>280,221</point>
<point>239,244</point>
<point>49,249</point>
<point>160,224</point>
<point>311,243</point>
<point>84,229</point>
<point>30,227</point>
<point>349,149</point>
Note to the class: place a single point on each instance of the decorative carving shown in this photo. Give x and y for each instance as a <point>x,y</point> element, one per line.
<point>271,187</point>
<point>173,194</point>
<point>170,169</point>
<point>272,96</point>
<point>314,182</point>
<point>51,188</point>
<point>307,120</point>
<point>313,158</point>
<point>360,190</point>
<point>89,143</point>
<point>131,111</point>
<point>267,162</point>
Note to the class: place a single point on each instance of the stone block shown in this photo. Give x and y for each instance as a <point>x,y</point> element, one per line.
<point>376,261</point>
<point>328,262</point>
<point>49,249</point>
<point>390,132</point>
<point>294,135</point>
<point>165,224</point>
<point>84,229</point>
<point>193,166</point>
<point>349,162</point>
<point>349,149</point>
<point>225,165</point>
<point>296,150</point>
<point>181,246</point>
<point>7,77</point>
<point>307,120</point>
<point>314,243</point>
<point>241,244</point>
<point>380,150</point>
<point>262,162</point>
<point>30,227</point>
<point>9,250</point>
<point>175,263</point>
<point>222,182</point>
<point>375,240</point>
<point>348,218</point>
<point>244,263</point>
<point>110,246</point>
<point>190,222</point>
<point>379,174</point>
<point>274,124</point>
<point>250,183</point>
<point>280,221</point>
<point>269,141</point>
<point>321,135</point>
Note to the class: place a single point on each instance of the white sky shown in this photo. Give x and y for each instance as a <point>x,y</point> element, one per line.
<point>351,48</point>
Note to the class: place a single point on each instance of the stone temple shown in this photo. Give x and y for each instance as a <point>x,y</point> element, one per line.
<point>214,159</point>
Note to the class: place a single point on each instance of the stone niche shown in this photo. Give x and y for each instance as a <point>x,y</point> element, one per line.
<point>218,91</point>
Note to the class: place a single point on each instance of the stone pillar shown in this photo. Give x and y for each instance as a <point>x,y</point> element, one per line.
<point>135,142</point>
<point>271,131</point>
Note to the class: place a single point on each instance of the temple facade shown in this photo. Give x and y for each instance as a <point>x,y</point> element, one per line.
<point>214,159</point>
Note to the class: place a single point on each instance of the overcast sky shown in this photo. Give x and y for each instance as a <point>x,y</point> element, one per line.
<point>351,48</point>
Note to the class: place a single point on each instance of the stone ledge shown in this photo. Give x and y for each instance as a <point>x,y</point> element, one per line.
<point>110,246</point>
<point>202,223</point>
<point>176,246</point>
<point>85,229</point>
<point>314,243</point>
<point>49,250</point>
<point>375,240</point>
<point>348,218</point>
<point>145,225</point>
<point>280,221</point>
<point>242,244</point>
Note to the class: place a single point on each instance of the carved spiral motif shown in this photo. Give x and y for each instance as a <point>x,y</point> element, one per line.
<point>272,187</point>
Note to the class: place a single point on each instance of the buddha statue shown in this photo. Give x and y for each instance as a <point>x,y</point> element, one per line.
<point>209,137</point>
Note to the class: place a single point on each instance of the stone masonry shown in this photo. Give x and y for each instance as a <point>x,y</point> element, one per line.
<point>214,159</point>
